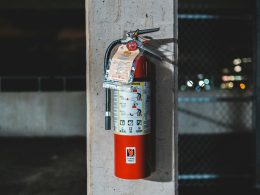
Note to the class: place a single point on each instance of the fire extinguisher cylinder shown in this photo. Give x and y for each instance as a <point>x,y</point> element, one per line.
<point>132,112</point>
<point>132,147</point>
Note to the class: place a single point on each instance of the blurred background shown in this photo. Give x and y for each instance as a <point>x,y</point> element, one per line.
<point>42,97</point>
<point>217,89</point>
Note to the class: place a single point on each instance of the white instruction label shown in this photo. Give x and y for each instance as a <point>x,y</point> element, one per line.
<point>121,64</point>
<point>132,110</point>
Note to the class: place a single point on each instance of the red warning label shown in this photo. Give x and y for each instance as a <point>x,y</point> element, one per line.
<point>130,155</point>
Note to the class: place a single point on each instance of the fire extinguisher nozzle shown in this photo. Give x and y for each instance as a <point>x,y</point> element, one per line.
<point>107,122</point>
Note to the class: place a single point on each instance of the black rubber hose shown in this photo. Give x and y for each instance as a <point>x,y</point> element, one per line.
<point>108,52</point>
<point>108,91</point>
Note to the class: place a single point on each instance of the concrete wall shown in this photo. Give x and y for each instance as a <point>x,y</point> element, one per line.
<point>106,21</point>
<point>42,114</point>
<point>215,112</point>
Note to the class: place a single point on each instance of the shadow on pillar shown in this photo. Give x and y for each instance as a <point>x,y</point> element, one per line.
<point>162,132</point>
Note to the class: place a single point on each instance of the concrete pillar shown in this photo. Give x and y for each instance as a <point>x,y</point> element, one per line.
<point>106,20</point>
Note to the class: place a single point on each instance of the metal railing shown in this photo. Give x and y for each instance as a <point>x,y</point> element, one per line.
<point>42,83</point>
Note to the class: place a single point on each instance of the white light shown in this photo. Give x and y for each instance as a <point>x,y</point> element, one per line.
<point>222,86</point>
<point>190,83</point>
<point>237,61</point>
<point>200,76</point>
<point>201,83</point>
<point>206,81</point>
<point>237,68</point>
<point>230,84</point>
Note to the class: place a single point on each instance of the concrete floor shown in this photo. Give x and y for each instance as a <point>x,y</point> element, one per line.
<point>42,166</point>
<point>57,166</point>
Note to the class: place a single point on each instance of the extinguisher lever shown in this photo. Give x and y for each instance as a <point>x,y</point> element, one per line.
<point>144,31</point>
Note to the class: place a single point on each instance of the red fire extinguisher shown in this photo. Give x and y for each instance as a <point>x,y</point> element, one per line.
<point>132,109</point>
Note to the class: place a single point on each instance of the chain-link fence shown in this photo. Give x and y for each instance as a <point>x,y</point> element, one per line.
<point>216,86</point>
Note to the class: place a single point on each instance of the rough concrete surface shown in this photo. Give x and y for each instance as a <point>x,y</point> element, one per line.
<point>42,114</point>
<point>106,21</point>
